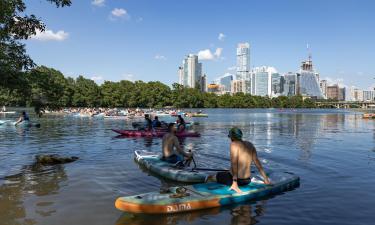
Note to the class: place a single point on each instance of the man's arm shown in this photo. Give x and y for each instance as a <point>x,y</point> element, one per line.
<point>259,166</point>
<point>176,143</point>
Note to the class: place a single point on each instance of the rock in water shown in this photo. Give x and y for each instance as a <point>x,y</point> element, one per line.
<point>54,159</point>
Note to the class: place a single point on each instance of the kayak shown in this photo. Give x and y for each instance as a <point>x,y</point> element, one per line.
<point>205,195</point>
<point>152,162</point>
<point>116,117</point>
<point>26,124</point>
<point>143,133</point>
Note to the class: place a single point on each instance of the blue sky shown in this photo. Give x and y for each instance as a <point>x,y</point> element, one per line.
<point>147,40</point>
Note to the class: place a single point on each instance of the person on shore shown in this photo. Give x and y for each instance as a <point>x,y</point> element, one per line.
<point>4,109</point>
<point>23,117</point>
<point>172,151</point>
<point>181,125</point>
<point>242,155</point>
<point>156,123</point>
<point>148,122</point>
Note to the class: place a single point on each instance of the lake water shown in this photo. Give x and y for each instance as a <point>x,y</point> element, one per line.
<point>332,151</point>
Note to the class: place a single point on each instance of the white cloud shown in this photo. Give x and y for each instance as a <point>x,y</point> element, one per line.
<point>218,52</point>
<point>160,57</point>
<point>119,13</point>
<point>98,3</point>
<point>97,79</point>
<point>221,37</point>
<point>49,35</point>
<point>128,76</point>
<point>206,54</point>
<point>140,19</point>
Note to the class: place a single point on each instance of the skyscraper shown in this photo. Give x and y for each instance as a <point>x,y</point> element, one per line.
<point>190,73</point>
<point>261,80</point>
<point>289,84</point>
<point>243,61</point>
<point>308,82</point>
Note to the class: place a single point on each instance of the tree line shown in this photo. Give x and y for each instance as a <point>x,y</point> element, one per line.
<point>44,87</point>
<point>23,84</point>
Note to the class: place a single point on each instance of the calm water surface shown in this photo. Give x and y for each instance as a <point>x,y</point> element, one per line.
<point>332,151</point>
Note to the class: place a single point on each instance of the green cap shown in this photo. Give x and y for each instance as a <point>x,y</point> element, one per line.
<point>235,133</point>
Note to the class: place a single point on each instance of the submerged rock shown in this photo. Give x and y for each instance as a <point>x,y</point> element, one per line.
<point>54,159</point>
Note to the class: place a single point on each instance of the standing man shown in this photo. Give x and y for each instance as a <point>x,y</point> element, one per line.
<point>242,155</point>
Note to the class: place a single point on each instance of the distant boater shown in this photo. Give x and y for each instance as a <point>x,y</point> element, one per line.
<point>23,117</point>
<point>169,143</point>
<point>242,155</point>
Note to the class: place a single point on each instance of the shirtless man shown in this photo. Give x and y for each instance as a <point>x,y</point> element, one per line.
<point>170,142</point>
<point>242,154</point>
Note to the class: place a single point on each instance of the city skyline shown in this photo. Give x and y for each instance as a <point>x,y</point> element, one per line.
<point>142,40</point>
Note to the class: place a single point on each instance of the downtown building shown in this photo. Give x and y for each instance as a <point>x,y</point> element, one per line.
<point>224,84</point>
<point>265,81</point>
<point>308,81</point>
<point>335,92</point>
<point>190,73</point>
<point>242,81</point>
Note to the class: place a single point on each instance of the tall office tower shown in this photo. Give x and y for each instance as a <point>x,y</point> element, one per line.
<point>261,80</point>
<point>203,83</point>
<point>323,86</point>
<point>289,84</point>
<point>307,81</point>
<point>190,73</point>
<point>276,84</point>
<point>243,61</point>
<point>333,92</point>
<point>342,94</point>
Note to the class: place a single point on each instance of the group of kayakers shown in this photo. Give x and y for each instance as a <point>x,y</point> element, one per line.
<point>242,155</point>
<point>155,124</point>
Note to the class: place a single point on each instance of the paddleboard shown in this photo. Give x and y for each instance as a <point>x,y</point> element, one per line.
<point>205,195</point>
<point>152,162</point>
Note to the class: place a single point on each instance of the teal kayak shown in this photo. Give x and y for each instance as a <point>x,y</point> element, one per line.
<point>205,195</point>
<point>153,163</point>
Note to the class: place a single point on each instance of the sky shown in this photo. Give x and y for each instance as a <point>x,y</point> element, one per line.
<point>148,39</point>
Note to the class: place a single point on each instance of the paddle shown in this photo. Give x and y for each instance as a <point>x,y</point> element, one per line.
<point>209,169</point>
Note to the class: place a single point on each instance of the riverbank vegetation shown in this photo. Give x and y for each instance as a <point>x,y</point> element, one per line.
<point>44,87</point>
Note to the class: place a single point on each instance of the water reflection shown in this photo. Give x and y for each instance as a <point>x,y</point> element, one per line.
<point>34,180</point>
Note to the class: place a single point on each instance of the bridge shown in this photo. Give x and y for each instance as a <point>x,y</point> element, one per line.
<point>346,104</point>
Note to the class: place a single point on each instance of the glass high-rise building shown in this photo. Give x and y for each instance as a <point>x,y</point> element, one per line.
<point>190,73</point>
<point>226,81</point>
<point>308,82</point>
<point>243,61</point>
<point>261,80</point>
<point>289,84</point>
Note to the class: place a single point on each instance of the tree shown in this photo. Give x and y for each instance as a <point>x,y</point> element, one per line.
<point>15,25</point>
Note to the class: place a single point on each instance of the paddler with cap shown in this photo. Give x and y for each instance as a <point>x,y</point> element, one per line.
<point>242,155</point>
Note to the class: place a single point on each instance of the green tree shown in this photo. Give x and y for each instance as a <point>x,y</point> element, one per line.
<point>15,25</point>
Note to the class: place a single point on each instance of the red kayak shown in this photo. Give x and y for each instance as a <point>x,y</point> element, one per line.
<point>142,133</point>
